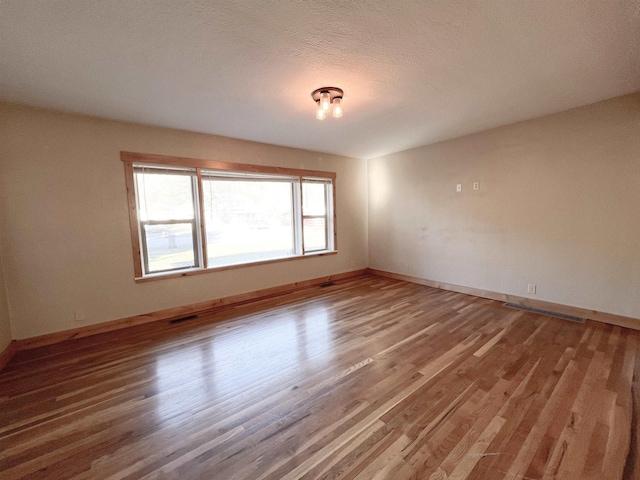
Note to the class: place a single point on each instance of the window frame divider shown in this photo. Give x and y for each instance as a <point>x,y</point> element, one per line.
<point>201,219</point>
<point>304,251</point>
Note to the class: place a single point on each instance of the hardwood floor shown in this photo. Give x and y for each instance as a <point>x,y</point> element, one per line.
<point>370,378</point>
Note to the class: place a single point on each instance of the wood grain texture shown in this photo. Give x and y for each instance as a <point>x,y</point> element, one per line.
<point>610,318</point>
<point>368,378</point>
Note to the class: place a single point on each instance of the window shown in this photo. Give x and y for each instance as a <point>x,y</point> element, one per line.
<point>316,214</point>
<point>191,216</point>
<point>167,216</point>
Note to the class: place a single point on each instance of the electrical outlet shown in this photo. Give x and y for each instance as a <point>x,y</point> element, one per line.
<point>531,288</point>
<point>476,185</point>
<point>459,187</point>
<point>80,315</point>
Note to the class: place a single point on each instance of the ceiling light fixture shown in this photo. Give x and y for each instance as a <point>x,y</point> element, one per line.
<point>328,98</point>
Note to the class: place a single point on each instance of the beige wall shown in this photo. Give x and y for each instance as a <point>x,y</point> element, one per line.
<point>558,206</point>
<point>66,235</point>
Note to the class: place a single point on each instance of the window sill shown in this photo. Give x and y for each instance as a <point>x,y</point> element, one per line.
<point>199,271</point>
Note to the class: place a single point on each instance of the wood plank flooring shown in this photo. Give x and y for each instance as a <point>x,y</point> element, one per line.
<point>370,378</point>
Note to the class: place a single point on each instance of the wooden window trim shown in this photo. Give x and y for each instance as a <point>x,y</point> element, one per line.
<point>129,158</point>
<point>133,219</point>
<point>199,271</point>
<point>132,157</point>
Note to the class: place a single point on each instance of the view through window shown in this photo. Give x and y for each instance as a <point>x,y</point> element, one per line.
<point>248,219</point>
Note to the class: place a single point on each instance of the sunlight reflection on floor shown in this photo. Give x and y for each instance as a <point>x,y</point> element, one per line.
<point>233,362</point>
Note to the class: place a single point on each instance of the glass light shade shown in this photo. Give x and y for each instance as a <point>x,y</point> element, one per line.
<point>337,107</point>
<point>320,113</point>
<point>325,101</point>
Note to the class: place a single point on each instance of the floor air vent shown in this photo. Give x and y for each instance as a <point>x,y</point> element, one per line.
<point>182,319</point>
<point>548,313</point>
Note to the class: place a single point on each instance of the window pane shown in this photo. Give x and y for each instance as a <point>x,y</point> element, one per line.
<point>169,246</point>
<point>315,236</point>
<point>313,199</point>
<point>247,221</point>
<point>164,196</point>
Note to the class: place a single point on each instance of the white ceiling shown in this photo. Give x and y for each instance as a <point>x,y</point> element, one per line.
<point>414,72</point>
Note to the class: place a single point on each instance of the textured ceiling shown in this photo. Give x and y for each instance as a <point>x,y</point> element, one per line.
<point>414,72</point>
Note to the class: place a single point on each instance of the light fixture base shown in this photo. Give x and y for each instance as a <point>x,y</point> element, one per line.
<point>334,92</point>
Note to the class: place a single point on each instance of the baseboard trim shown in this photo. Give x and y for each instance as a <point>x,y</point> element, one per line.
<point>212,305</point>
<point>178,312</point>
<point>7,354</point>
<point>610,318</point>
